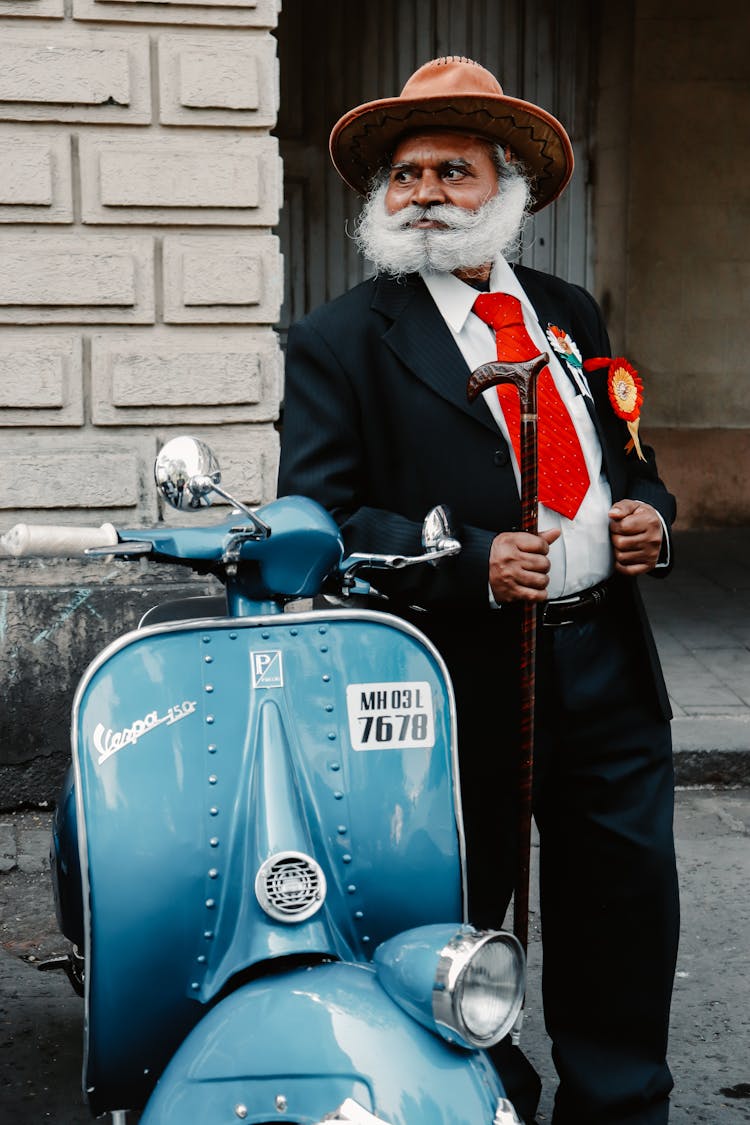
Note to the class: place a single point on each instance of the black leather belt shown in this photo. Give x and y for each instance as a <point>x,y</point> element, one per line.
<point>577,607</point>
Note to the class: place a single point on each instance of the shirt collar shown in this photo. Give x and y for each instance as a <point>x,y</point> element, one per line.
<point>454,298</point>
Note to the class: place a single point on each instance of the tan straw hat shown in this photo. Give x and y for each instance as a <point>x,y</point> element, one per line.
<point>454,93</point>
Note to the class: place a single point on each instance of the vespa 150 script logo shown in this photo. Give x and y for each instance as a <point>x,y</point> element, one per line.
<point>108,742</point>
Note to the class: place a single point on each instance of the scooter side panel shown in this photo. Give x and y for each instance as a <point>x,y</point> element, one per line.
<point>292,1048</point>
<point>142,811</point>
<point>202,750</point>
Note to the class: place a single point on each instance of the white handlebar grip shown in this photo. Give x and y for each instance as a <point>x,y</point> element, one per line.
<point>29,540</point>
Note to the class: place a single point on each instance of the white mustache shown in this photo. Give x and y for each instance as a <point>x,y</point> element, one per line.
<point>448,215</point>
<point>465,240</point>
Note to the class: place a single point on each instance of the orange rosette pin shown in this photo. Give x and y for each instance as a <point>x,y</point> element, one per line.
<point>625,391</point>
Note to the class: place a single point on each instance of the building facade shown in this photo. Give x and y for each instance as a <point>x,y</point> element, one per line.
<point>148,270</point>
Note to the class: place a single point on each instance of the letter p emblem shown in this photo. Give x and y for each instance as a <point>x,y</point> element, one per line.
<point>267,669</point>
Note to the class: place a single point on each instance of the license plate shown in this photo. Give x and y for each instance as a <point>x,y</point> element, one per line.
<point>392,716</point>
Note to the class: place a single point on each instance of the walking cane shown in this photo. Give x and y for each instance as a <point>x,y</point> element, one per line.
<point>523,376</point>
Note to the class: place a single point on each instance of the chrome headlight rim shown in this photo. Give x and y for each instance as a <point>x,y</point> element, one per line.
<point>453,963</point>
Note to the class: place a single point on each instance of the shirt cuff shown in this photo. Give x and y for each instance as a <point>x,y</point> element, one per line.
<point>493,603</point>
<point>665,555</point>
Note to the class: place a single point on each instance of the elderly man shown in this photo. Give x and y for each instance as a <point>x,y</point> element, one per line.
<point>378,428</point>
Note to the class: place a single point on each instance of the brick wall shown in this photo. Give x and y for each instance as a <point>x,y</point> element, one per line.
<point>139,286</point>
<point>689,287</point>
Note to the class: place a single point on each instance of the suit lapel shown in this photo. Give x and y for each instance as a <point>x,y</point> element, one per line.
<point>422,341</point>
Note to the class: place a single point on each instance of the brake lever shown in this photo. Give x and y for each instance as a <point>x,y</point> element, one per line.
<point>358,560</point>
<point>122,550</point>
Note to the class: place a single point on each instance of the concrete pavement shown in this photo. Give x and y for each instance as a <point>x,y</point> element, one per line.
<point>701,619</point>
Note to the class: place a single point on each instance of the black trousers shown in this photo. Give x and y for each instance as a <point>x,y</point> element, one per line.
<point>603,803</point>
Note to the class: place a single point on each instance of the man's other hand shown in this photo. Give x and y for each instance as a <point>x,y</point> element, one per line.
<point>519,567</point>
<point>636,533</point>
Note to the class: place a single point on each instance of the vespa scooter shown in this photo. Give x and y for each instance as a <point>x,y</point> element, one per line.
<point>260,855</point>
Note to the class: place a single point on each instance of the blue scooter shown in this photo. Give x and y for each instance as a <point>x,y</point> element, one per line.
<point>259,858</point>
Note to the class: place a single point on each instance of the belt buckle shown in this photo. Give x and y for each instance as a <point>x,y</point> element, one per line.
<point>572,600</point>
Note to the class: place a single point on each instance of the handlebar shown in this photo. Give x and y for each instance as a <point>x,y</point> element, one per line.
<point>48,541</point>
<point>300,554</point>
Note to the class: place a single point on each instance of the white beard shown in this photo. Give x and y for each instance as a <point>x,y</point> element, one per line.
<point>471,238</point>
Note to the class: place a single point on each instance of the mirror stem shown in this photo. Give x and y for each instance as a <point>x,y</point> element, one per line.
<point>263,530</point>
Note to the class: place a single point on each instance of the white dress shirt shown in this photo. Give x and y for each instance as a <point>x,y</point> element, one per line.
<point>582,556</point>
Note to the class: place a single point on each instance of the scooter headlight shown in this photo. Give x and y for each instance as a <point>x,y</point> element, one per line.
<point>466,986</point>
<point>479,986</point>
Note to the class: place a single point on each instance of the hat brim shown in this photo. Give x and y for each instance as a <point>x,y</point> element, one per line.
<point>365,137</point>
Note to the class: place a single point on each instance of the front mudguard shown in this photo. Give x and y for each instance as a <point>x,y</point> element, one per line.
<point>293,1047</point>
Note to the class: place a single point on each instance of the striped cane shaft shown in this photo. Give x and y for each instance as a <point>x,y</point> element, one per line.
<point>529,523</point>
<point>524,377</point>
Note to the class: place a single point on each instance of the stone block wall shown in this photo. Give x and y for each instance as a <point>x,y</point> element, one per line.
<point>140,283</point>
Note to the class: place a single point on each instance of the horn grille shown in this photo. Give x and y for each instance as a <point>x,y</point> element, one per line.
<point>290,886</point>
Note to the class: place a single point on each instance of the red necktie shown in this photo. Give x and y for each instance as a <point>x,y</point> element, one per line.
<point>563,476</point>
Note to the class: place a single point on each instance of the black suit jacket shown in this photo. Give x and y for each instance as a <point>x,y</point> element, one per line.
<point>378,429</point>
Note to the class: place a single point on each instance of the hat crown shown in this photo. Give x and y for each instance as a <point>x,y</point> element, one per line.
<point>451,75</point>
<point>453,93</point>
